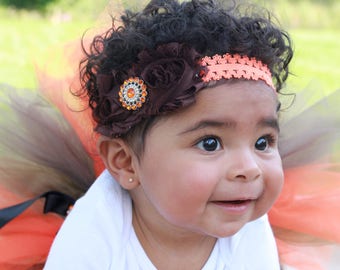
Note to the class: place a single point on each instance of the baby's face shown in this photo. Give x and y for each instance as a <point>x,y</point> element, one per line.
<point>214,166</point>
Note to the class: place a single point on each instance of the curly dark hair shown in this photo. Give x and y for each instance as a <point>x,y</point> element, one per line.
<point>201,28</point>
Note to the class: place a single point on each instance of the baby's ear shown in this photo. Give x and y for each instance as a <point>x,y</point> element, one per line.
<point>118,159</point>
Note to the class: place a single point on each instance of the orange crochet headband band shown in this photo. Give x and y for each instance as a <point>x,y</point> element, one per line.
<point>133,91</point>
<point>236,66</point>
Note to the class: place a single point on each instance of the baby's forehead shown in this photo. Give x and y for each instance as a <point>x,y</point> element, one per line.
<point>231,91</point>
<point>227,100</point>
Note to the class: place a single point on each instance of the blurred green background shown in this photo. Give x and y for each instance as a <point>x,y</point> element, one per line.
<point>28,28</point>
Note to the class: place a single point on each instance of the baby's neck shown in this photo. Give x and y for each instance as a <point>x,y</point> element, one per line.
<point>169,250</point>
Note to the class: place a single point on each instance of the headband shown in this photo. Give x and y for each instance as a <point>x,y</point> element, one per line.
<point>236,66</point>
<point>164,80</point>
<point>133,91</point>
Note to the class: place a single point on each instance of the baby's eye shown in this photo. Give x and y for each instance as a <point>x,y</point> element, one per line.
<point>264,142</point>
<point>209,144</point>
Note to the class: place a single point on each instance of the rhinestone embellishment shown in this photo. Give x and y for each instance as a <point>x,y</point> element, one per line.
<point>132,93</point>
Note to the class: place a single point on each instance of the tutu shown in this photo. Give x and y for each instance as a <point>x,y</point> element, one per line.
<point>39,152</point>
<point>305,219</point>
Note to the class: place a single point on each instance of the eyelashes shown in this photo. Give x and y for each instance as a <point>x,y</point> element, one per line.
<point>264,142</point>
<point>212,143</point>
<point>209,144</point>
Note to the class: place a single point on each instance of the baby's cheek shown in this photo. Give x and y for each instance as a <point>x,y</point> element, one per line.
<point>278,179</point>
<point>273,185</point>
<point>200,182</point>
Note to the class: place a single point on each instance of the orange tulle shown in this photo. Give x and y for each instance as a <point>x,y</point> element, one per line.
<point>304,218</point>
<point>307,202</point>
<point>26,240</point>
<point>306,257</point>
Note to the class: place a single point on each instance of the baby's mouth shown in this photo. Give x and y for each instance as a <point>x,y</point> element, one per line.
<point>235,207</point>
<point>234,202</point>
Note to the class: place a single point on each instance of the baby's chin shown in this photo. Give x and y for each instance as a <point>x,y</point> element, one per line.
<point>232,231</point>
<point>227,230</point>
<point>232,228</point>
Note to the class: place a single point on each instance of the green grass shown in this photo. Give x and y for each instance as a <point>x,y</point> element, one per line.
<point>319,14</point>
<point>25,39</point>
<point>23,47</point>
<point>316,59</point>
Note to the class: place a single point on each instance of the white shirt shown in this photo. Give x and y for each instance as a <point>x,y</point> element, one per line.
<point>98,234</point>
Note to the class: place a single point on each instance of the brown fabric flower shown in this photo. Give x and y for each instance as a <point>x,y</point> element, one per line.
<point>169,74</point>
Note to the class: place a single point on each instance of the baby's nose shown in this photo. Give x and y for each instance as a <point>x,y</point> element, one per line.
<point>243,165</point>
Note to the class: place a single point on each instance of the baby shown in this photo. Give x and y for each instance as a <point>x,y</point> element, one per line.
<point>184,96</point>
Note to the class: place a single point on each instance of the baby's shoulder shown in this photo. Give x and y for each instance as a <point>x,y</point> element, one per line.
<point>96,220</point>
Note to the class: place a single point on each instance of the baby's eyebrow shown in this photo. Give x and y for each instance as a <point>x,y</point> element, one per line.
<point>209,123</point>
<point>271,122</point>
